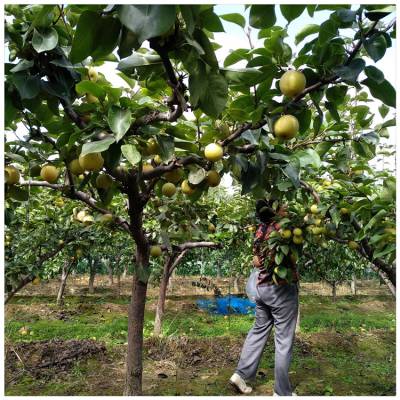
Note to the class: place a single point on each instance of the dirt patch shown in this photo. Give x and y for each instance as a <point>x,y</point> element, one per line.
<point>376,306</point>
<point>49,357</point>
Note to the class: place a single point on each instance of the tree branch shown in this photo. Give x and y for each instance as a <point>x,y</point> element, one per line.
<point>310,189</point>
<point>82,196</point>
<point>177,163</point>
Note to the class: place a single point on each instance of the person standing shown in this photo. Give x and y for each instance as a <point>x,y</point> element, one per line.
<point>276,306</point>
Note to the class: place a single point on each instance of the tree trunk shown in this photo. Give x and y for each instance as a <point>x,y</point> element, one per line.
<point>118,284</point>
<point>171,283</point>
<point>161,297</point>
<point>92,271</point>
<point>353,285</point>
<point>334,292</point>
<point>110,273</point>
<point>21,284</point>
<point>383,276</point>
<point>236,284</point>
<point>125,272</point>
<point>218,270</point>
<point>134,362</point>
<point>64,275</point>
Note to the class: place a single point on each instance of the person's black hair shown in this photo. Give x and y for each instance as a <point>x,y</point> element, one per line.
<point>264,210</point>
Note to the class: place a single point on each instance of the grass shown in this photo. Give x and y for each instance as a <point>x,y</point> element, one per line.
<point>92,321</point>
<point>351,346</point>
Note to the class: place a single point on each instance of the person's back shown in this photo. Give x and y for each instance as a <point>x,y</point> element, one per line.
<point>276,305</point>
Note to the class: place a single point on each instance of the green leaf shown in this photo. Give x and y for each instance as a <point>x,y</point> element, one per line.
<point>378,13</point>
<point>44,40</point>
<point>235,18</point>
<point>374,74</point>
<point>18,194</point>
<point>306,31</point>
<point>327,31</point>
<point>209,57</point>
<point>292,171</point>
<point>362,149</point>
<point>97,147</point>
<point>119,121</point>
<point>391,248</point>
<point>95,36</point>
<point>336,94</point>
<point>209,92</point>
<point>23,65</point>
<point>375,47</point>
<point>28,86</point>
<point>167,146</point>
<point>282,272</point>
<point>197,176</point>
<point>131,153</point>
<point>147,21</point>
<point>244,76</point>
<point>292,11</point>
<point>308,157</point>
<point>350,72</point>
<point>383,91</point>
<point>108,30</point>
<point>323,148</point>
<point>211,21</point>
<point>236,56</point>
<point>383,110</point>
<point>189,14</point>
<point>91,87</point>
<point>262,16</point>
<point>138,60</point>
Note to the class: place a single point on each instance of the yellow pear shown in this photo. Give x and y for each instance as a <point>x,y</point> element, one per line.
<point>93,74</point>
<point>286,127</point>
<point>174,176</point>
<point>168,189</point>
<point>12,175</point>
<point>104,181</point>
<point>213,178</point>
<point>155,251</point>
<point>49,173</point>
<point>91,162</point>
<point>75,167</point>
<point>186,188</point>
<point>213,152</point>
<point>292,83</point>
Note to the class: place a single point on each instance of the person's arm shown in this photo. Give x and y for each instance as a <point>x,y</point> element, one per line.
<point>258,256</point>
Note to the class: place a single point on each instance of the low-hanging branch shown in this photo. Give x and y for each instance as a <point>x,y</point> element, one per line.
<point>30,277</point>
<point>78,195</point>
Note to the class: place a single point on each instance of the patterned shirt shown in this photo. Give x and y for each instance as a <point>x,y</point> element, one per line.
<point>267,256</point>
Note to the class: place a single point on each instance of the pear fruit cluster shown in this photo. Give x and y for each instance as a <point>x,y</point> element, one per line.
<point>291,84</point>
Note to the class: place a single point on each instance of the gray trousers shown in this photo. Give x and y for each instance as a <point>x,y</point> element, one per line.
<point>275,306</point>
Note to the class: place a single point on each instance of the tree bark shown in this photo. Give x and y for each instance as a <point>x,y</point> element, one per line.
<point>333,291</point>
<point>125,273</point>
<point>353,285</point>
<point>92,274</point>
<point>118,284</point>
<point>236,284</point>
<point>134,357</point>
<point>161,297</point>
<point>383,276</point>
<point>63,283</point>
<point>110,272</point>
<point>21,284</point>
<point>169,268</point>
<point>134,362</point>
